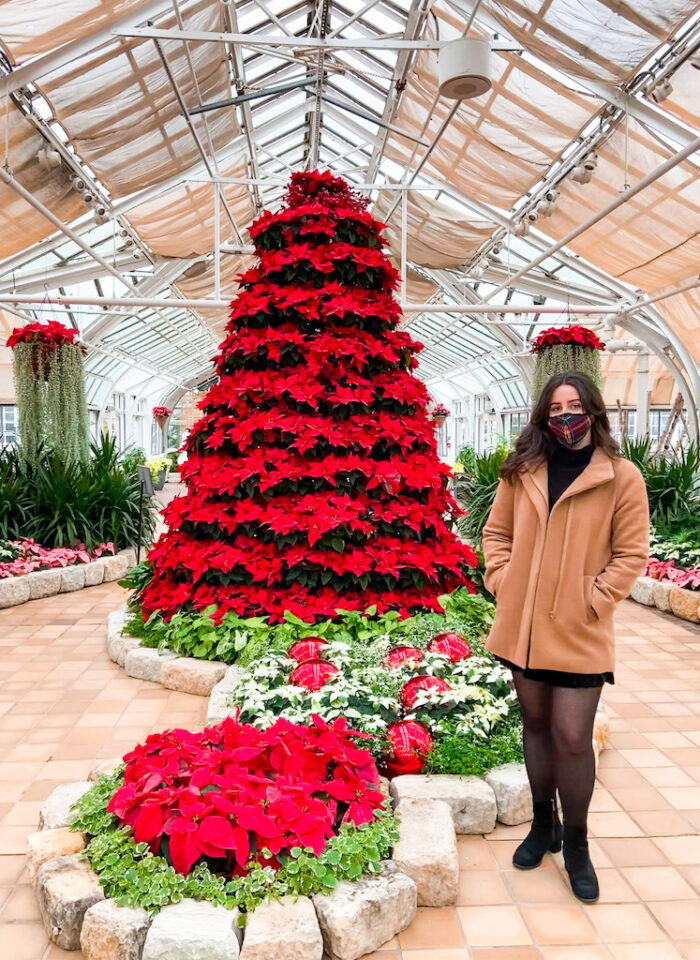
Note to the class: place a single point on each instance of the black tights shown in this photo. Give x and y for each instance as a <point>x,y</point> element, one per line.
<point>557,743</point>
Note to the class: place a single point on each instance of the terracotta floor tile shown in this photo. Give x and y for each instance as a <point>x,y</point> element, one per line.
<point>538,886</point>
<point>659,883</point>
<point>458,953</point>
<point>502,953</point>
<point>25,941</point>
<point>613,887</point>
<point>432,927</point>
<point>639,798</point>
<point>680,849</point>
<point>644,951</point>
<point>475,854</point>
<point>623,922</point>
<point>615,824</point>
<point>682,798</point>
<point>587,951</point>
<point>662,823</point>
<point>668,777</point>
<point>633,851</point>
<point>558,924</point>
<point>21,906</point>
<point>493,926</point>
<point>481,887</point>
<point>680,919</point>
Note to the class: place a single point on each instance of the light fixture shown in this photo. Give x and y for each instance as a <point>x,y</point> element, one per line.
<point>547,205</point>
<point>532,215</point>
<point>584,169</point>
<point>102,213</point>
<point>48,159</point>
<point>464,68</point>
<point>87,197</point>
<point>521,228</point>
<point>477,271</point>
<point>660,91</point>
<point>78,183</point>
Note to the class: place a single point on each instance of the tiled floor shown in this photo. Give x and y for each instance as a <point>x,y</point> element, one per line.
<point>64,705</point>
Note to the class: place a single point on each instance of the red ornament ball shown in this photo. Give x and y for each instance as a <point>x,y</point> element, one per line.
<point>451,645</point>
<point>410,689</point>
<point>308,648</point>
<point>410,742</point>
<point>399,655</point>
<point>313,674</point>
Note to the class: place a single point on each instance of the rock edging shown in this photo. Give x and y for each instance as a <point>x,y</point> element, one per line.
<point>47,583</point>
<point>667,597</point>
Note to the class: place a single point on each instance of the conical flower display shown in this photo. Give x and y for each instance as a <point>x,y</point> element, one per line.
<point>313,480</point>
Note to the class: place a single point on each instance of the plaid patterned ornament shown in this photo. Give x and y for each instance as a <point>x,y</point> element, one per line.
<point>410,743</point>
<point>308,648</point>
<point>450,645</point>
<point>410,690</point>
<point>399,655</point>
<point>313,674</point>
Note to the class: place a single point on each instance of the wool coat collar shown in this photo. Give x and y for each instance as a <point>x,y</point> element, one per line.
<point>599,470</point>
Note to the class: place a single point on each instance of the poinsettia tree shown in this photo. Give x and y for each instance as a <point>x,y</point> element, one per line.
<point>313,477</point>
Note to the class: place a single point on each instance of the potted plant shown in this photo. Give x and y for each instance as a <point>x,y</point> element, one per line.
<point>559,349</point>
<point>159,471</point>
<point>440,414</point>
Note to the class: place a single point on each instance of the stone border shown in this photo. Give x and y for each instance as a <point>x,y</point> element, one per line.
<point>667,597</point>
<point>353,920</point>
<point>47,583</point>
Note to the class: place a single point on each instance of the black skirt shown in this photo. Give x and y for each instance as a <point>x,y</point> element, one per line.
<point>560,678</point>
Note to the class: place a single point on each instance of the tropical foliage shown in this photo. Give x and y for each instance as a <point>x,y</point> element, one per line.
<point>476,487</point>
<point>62,503</point>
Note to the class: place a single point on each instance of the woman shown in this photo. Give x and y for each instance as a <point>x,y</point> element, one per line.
<point>567,536</point>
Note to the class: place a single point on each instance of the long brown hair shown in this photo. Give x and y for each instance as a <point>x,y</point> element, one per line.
<point>536,444</point>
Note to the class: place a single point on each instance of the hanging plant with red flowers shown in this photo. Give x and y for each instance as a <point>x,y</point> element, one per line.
<point>162,411</point>
<point>50,390</point>
<point>559,349</point>
<point>313,480</point>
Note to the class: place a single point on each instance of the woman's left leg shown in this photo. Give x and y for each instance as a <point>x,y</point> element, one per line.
<point>573,715</point>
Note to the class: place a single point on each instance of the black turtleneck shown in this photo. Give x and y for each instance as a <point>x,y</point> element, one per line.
<point>564,466</point>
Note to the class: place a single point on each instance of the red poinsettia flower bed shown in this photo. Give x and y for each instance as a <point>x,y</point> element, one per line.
<point>233,791</point>
<point>313,480</point>
<point>31,556</point>
<point>50,336</point>
<point>575,336</point>
<point>162,411</point>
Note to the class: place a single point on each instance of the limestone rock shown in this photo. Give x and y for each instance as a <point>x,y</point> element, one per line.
<point>513,796</point>
<point>114,567</point>
<point>115,624</point>
<point>662,595</point>
<point>44,583</point>
<point>684,603</point>
<point>13,591</point>
<point>219,707</point>
<point>129,554</point>
<point>94,574</point>
<point>66,888</point>
<point>470,799</point>
<point>601,730</point>
<point>189,675</point>
<point>144,663</point>
<point>48,844</point>
<point>643,591</point>
<point>104,768</point>
<point>427,850</point>
<point>194,930</point>
<point>72,578</point>
<point>357,918</point>
<point>385,786</point>
<point>56,811</point>
<point>111,932</point>
<point>285,928</point>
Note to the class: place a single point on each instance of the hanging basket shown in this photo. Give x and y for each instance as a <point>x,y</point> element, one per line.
<point>161,415</point>
<point>438,421</point>
<point>560,349</point>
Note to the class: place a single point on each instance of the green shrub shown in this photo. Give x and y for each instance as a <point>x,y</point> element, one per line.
<point>475,490</point>
<point>59,503</point>
<point>472,754</point>
<point>132,460</point>
<point>672,481</point>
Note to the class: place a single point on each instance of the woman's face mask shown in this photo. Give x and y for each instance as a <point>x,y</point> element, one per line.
<point>570,428</point>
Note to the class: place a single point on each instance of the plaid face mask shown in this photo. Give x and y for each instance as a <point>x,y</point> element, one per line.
<point>569,428</point>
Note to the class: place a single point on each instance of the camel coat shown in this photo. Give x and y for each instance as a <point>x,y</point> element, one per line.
<point>558,576</point>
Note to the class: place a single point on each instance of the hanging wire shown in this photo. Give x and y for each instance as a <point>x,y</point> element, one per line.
<point>626,184</point>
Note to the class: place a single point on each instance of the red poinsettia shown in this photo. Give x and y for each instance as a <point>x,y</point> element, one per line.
<point>162,411</point>
<point>313,480</point>
<point>232,792</point>
<point>49,336</point>
<point>574,335</point>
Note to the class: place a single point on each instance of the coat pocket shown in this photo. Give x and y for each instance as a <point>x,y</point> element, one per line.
<point>588,583</point>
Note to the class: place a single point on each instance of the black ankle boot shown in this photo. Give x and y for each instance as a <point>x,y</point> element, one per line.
<point>544,835</point>
<point>577,861</point>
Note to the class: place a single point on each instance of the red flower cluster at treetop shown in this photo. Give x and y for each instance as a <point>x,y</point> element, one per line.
<point>233,793</point>
<point>162,411</point>
<point>313,477</point>
<point>574,336</point>
<point>49,336</point>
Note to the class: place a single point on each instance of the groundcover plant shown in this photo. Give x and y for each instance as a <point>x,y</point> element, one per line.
<point>236,815</point>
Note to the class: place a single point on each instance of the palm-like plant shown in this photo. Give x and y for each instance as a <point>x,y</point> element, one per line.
<point>476,491</point>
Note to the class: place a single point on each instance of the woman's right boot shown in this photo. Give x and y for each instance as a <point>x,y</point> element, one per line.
<point>544,835</point>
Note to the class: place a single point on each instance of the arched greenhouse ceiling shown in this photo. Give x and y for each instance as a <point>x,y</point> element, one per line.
<point>110,94</point>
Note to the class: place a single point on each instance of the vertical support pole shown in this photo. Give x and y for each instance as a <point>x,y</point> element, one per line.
<point>217,241</point>
<point>140,533</point>
<point>404,227</point>
<point>641,428</point>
